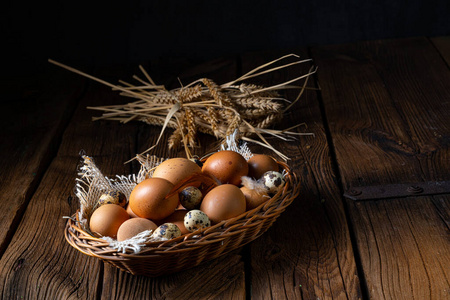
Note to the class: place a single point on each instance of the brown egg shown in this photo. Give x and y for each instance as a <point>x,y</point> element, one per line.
<point>259,164</point>
<point>177,218</point>
<point>176,169</point>
<point>223,202</point>
<point>134,226</point>
<point>131,213</point>
<point>226,166</point>
<point>253,198</point>
<point>107,219</point>
<point>148,199</point>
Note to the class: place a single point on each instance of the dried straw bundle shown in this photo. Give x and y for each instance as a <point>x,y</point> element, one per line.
<point>204,106</point>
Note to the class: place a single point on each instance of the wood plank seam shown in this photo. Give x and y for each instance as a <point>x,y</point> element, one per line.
<point>339,183</point>
<point>47,158</point>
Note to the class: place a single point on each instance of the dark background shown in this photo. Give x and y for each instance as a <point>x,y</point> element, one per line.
<point>85,33</point>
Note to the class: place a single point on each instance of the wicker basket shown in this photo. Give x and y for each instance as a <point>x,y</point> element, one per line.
<point>189,250</point>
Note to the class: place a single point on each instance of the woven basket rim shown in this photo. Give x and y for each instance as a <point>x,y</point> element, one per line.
<point>219,234</point>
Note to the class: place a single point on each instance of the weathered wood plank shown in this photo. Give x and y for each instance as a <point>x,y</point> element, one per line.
<point>404,246</point>
<point>35,112</point>
<point>385,103</point>
<point>442,44</point>
<point>39,264</point>
<point>387,107</point>
<point>307,254</point>
<point>222,278</point>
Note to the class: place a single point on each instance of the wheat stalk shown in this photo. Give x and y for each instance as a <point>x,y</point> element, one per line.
<point>204,106</point>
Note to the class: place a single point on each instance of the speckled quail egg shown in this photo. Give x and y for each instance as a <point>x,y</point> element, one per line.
<point>113,197</point>
<point>273,181</point>
<point>196,219</point>
<point>190,197</point>
<point>166,231</point>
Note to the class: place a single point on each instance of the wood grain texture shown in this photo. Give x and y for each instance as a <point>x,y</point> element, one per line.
<point>39,263</point>
<point>307,254</point>
<point>35,113</point>
<point>387,107</point>
<point>383,105</point>
<point>404,246</point>
<point>221,278</point>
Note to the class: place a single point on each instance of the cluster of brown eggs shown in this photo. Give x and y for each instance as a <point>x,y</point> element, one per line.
<point>184,196</point>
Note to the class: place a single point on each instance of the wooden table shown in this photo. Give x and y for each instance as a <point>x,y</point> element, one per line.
<point>372,219</point>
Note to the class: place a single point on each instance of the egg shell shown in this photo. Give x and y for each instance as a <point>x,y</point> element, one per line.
<point>113,197</point>
<point>131,212</point>
<point>196,219</point>
<point>273,181</point>
<point>259,164</point>
<point>226,166</point>
<point>253,198</point>
<point>176,169</point>
<point>166,231</point>
<point>106,219</point>
<point>177,218</point>
<point>148,199</point>
<point>223,202</point>
<point>134,226</point>
<point>190,197</point>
